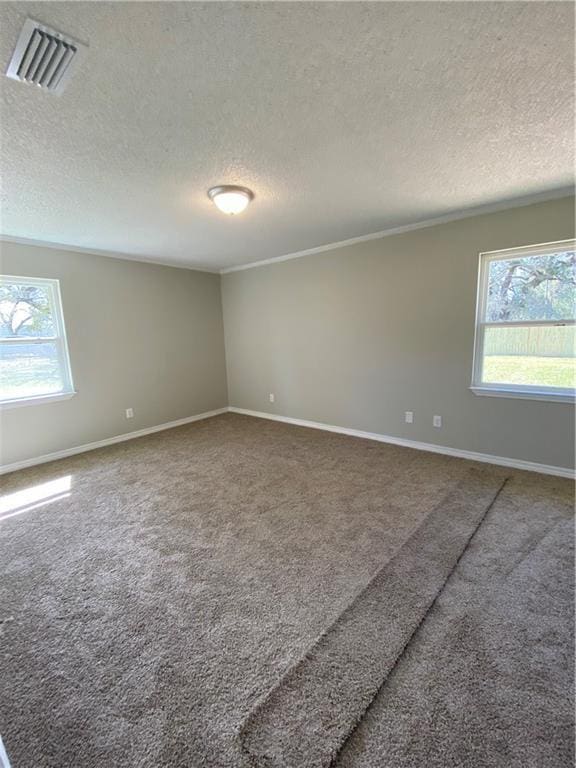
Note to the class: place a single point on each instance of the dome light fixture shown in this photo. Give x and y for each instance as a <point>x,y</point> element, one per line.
<point>231,199</point>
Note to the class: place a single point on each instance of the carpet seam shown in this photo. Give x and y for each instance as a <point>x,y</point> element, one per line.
<point>245,726</point>
<point>419,625</point>
<point>260,704</point>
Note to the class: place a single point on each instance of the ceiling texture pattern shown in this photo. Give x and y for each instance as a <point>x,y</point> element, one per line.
<point>344,119</point>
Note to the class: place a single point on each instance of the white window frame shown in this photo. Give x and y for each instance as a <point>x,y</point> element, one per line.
<point>59,339</point>
<point>552,394</point>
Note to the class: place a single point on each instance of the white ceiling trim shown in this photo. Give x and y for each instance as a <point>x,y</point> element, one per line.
<point>456,216</point>
<point>117,172</point>
<point>96,252</point>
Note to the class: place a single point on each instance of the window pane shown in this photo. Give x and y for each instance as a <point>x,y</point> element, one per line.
<point>530,356</point>
<point>25,310</point>
<point>532,288</point>
<point>29,370</point>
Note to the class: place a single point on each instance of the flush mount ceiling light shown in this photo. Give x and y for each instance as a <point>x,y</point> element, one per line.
<point>230,199</point>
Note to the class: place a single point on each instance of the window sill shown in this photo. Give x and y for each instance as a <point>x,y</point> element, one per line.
<point>20,403</point>
<point>525,394</point>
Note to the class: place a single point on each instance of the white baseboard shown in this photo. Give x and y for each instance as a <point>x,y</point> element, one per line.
<point>487,458</point>
<point>5,468</point>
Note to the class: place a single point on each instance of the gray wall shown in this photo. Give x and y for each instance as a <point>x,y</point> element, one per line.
<point>140,335</point>
<point>358,335</point>
<point>352,337</point>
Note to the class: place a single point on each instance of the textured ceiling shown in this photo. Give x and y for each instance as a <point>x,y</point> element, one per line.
<point>344,118</point>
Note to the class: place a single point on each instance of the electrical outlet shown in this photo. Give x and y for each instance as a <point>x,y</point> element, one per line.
<point>271,397</point>
<point>409,417</point>
<point>129,413</point>
<point>437,421</point>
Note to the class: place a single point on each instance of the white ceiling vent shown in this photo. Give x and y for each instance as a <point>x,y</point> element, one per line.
<point>44,57</point>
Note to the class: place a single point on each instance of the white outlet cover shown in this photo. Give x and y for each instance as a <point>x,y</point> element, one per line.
<point>271,396</point>
<point>437,421</point>
<point>409,417</point>
<point>129,413</point>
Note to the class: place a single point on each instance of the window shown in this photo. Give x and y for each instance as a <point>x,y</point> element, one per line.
<point>34,365</point>
<point>525,326</point>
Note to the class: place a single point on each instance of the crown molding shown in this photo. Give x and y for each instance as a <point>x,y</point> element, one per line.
<point>97,252</point>
<point>446,219</point>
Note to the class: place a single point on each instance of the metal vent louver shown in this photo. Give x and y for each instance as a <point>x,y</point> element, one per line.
<point>44,57</point>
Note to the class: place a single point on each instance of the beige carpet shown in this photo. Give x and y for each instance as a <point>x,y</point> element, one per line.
<point>149,616</point>
<point>308,716</point>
